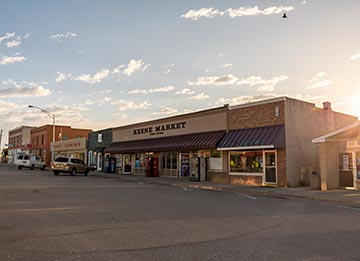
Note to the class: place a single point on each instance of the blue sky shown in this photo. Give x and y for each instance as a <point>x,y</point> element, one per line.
<point>100,64</point>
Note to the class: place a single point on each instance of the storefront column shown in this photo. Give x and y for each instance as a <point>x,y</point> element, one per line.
<point>328,168</point>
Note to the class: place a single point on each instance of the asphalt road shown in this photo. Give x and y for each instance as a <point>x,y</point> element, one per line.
<point>47,217</point>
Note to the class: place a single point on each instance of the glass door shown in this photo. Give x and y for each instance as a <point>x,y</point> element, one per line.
<point>127,163</point>
<point>346,178</point>
<point>270,167</point>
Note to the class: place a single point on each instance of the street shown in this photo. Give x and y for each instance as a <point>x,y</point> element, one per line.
<point>47,217</point>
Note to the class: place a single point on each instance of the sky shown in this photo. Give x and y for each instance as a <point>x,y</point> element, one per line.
<point>101,64</point>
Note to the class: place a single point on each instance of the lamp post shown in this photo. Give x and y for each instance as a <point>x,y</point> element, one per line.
<point>53,136</point>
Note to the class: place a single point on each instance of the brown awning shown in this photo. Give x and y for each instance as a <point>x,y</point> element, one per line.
<point>254,138</point>
<point>195,141</point>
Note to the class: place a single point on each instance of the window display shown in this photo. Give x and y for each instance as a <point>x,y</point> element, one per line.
<point>246,161</point>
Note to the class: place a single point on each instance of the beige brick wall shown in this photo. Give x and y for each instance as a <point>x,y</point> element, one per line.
<point>256,116</point>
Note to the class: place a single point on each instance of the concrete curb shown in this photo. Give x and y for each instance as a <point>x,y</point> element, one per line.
<point>248,191</point>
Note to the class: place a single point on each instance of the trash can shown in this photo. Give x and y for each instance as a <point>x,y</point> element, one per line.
<point>315,181</point>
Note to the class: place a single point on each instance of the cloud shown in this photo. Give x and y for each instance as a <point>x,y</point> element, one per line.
<point>165,111</point>
<point>61,37</point>
<point>233,13</point>
<point>104,100</point>
<point>185,91</point>
<point>355,57</point>
<point>60,76</point>
<point>129,105</point>
<point>7,36</point>
<point>244,99</point>
<point>160,89</point>
<point>137,91</point>
<point>7,106</point>
<point>227,65</point>
<point>303,2</point>
<point>31,89</point>
<point>266,84</point>
<point>203,12</point>
<point>97,77</point>
<point>254,11</point>
<point>13,43</point>
<point>12,59</point>
<point>215,80</point>
<point>135,66</point>
<point>201,96</point>
<point>316,82</point>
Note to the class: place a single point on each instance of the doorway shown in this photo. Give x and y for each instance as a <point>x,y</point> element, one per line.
<point>99,161</point>
<point>270,167</point>
<point>127,163</point>
<point>346,177</point>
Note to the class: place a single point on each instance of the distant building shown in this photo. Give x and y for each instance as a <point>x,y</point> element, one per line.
<point>42,137</point>
<point>97,143</point>
<point>19,141</point>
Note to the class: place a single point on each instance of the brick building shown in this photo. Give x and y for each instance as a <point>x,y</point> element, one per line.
<point>42,137</point>
<point>261,143</point>
<point>19,141</point>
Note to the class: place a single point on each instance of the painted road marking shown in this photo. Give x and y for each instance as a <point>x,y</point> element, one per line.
<point>246,196</point>
<point>41,209</point>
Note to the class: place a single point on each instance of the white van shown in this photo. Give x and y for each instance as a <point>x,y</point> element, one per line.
<point>29,161</point>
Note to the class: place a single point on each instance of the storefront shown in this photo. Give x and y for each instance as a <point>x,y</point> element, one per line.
<point>339,153</point>
<point>252,154</point>
<point>98,141</point>
<point>74,148</point>
<point>169,143</point>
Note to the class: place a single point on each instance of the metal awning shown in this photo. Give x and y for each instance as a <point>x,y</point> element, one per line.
<point>195,141</point>
<point>267,137</point>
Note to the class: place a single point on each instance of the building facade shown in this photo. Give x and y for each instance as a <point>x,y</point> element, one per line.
<point>339,154</point>
<point>72,148</point>
<point>19,142</point>
<point>97,143</point>
<point>42,137</point>
<point>262,143</point>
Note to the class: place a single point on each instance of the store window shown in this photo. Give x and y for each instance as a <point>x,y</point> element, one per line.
<point>140,160</point>
<point>246,161</point>
<point>169,160</point>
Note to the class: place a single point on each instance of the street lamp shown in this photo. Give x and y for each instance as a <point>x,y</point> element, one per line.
<point>53,136</point>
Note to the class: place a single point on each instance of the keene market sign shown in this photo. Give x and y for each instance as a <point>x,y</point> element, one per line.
<point>160,129</point>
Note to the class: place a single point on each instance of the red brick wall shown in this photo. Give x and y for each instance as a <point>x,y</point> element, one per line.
<point>256,116</point>
<point>217,177</point>
<point>246,180</point>
<point>47,131</point>
<point>281,168</point>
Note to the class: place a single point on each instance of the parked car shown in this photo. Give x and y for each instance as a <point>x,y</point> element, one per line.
<point>30,161</point>
<point>69,165</point>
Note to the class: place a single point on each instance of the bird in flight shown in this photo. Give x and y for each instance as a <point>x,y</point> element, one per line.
<point>284,15</point>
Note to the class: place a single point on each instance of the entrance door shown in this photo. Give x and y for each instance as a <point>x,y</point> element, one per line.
<point>99,161</point>
<point>270,167</point>
<point>127,163</point>
<point>346,177</point>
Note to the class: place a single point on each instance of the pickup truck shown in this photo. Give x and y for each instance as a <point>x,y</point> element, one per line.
<point>29,161</point>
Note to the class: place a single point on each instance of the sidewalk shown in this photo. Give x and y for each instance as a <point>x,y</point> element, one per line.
<point>338,196</point>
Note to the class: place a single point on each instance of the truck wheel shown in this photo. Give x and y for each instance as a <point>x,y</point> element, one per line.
<point>43,167</point>
<point>86,172</point>
<point>32,167</point>
<point>19,167</point>
<point>56,173</point>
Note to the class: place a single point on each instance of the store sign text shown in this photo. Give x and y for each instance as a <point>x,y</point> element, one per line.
<point>160,129</point>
